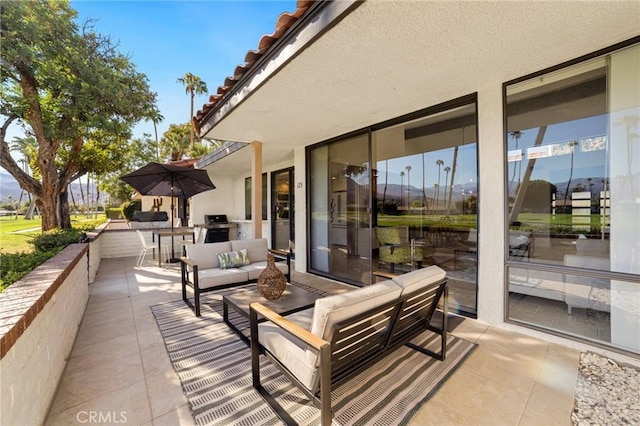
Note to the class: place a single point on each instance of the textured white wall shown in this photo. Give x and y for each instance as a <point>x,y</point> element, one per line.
<point>30,371</point>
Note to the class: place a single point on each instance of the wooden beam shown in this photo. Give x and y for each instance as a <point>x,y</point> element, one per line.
<point>256,189</point>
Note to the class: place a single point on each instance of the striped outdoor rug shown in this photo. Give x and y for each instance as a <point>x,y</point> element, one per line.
<point>214,367</point>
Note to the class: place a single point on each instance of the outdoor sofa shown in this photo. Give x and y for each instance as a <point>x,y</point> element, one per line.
<point>202,271</point>
<point>343,334</point>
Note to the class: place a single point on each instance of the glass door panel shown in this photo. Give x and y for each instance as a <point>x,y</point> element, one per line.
<point>282,210</point>
<point>341,238</point>
<point>426,199</point>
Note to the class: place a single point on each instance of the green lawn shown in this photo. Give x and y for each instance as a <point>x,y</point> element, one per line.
<point>15,234</point>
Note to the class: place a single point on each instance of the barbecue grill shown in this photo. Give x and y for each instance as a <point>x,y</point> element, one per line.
<point>217,226</point>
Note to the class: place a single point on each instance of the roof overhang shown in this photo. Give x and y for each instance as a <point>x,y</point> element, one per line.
<point>351,64</point>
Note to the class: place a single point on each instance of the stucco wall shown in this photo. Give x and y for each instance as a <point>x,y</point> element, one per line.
<point>41,340</point>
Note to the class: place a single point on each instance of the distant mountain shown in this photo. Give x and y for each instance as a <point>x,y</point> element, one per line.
<point>394,190</point>
<point>9,187</point>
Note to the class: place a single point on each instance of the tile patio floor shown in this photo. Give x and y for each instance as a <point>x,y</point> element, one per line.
<point>119,367</point>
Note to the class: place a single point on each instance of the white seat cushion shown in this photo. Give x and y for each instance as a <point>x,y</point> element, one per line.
<point>213,277</point>
<point>290,351</point>
<point>257,249</point>
<point>255,269</point>
<point>414,280</point>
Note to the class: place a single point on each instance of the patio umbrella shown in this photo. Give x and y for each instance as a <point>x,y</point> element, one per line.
<point>165,180</point>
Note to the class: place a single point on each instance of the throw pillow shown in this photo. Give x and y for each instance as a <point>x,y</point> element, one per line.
<point>233,259</point>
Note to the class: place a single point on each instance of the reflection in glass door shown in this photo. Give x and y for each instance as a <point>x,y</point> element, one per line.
<point>400,197</point>
<point>340,219</point>
<point>426,199</point>
<point>282,223</point>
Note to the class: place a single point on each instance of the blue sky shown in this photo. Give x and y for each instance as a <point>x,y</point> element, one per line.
<point>166,39</point>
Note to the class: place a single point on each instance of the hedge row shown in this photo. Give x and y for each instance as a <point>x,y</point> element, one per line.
<point>46,245</point>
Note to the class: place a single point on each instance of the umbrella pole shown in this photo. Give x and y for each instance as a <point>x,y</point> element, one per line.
<point>173,246</point>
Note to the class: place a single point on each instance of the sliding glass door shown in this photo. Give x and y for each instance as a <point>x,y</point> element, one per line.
<point>426,199</point>
<point>340,210</point>
<point>282,210</point>
<point>399,196</point>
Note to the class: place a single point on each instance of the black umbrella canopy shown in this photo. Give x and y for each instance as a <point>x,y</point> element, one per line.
<point>170,181</point>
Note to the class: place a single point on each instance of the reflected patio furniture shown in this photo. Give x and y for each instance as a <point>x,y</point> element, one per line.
<point>520,244</point>
<point>395,247</point>
<point>470,245</point>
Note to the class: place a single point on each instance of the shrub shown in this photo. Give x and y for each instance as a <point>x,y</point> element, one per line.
<point>130,207</point>
<point>46,245</point>
<point>17,265</point>
<point>56,238</point>
<point>113,213</point>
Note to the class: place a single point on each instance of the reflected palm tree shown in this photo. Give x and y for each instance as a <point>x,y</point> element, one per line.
<point>424,194</point>
<point>401,186</point>
<point>446,184</point>
<point>386,179</point>
<point>453,173</point>
<point>437,188</point>
<point>408,187</point>
<point>439,163</point>
<point>572,145</point>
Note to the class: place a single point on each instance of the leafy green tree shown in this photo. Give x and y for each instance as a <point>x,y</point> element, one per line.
<point>141,151</point>
<point>193,86</point>
<point>70,89</point>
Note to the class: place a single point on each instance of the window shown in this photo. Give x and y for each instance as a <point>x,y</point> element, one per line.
<point>247,197</point>
<point>398,196</point>
<point>573,199</point>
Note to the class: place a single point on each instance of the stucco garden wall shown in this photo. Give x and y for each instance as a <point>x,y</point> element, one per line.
<point>39,319</point>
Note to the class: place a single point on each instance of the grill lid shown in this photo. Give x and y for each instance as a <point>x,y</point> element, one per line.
<point>211,219</point>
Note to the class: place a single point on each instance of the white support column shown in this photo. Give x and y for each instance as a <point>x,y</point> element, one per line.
<point>624,166</point>
<point>256,189</point>
<point>300,209</point>
<point>491,282</point>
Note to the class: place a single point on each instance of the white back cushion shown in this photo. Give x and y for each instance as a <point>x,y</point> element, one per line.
<point>257,249</point>
<point>206,255</point>
<point>333,309</point>
<point>414,280</point>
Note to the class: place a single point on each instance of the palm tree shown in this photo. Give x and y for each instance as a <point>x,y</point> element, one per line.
<point>155,117</point>
<point>439,163</point>
<point>193,86</point>
<point>401,186</point>
<point>408,168</point>
<point>446,184</point>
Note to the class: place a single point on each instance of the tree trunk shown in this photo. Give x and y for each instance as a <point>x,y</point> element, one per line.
<point>453,176</point>
<point>63,206</point>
